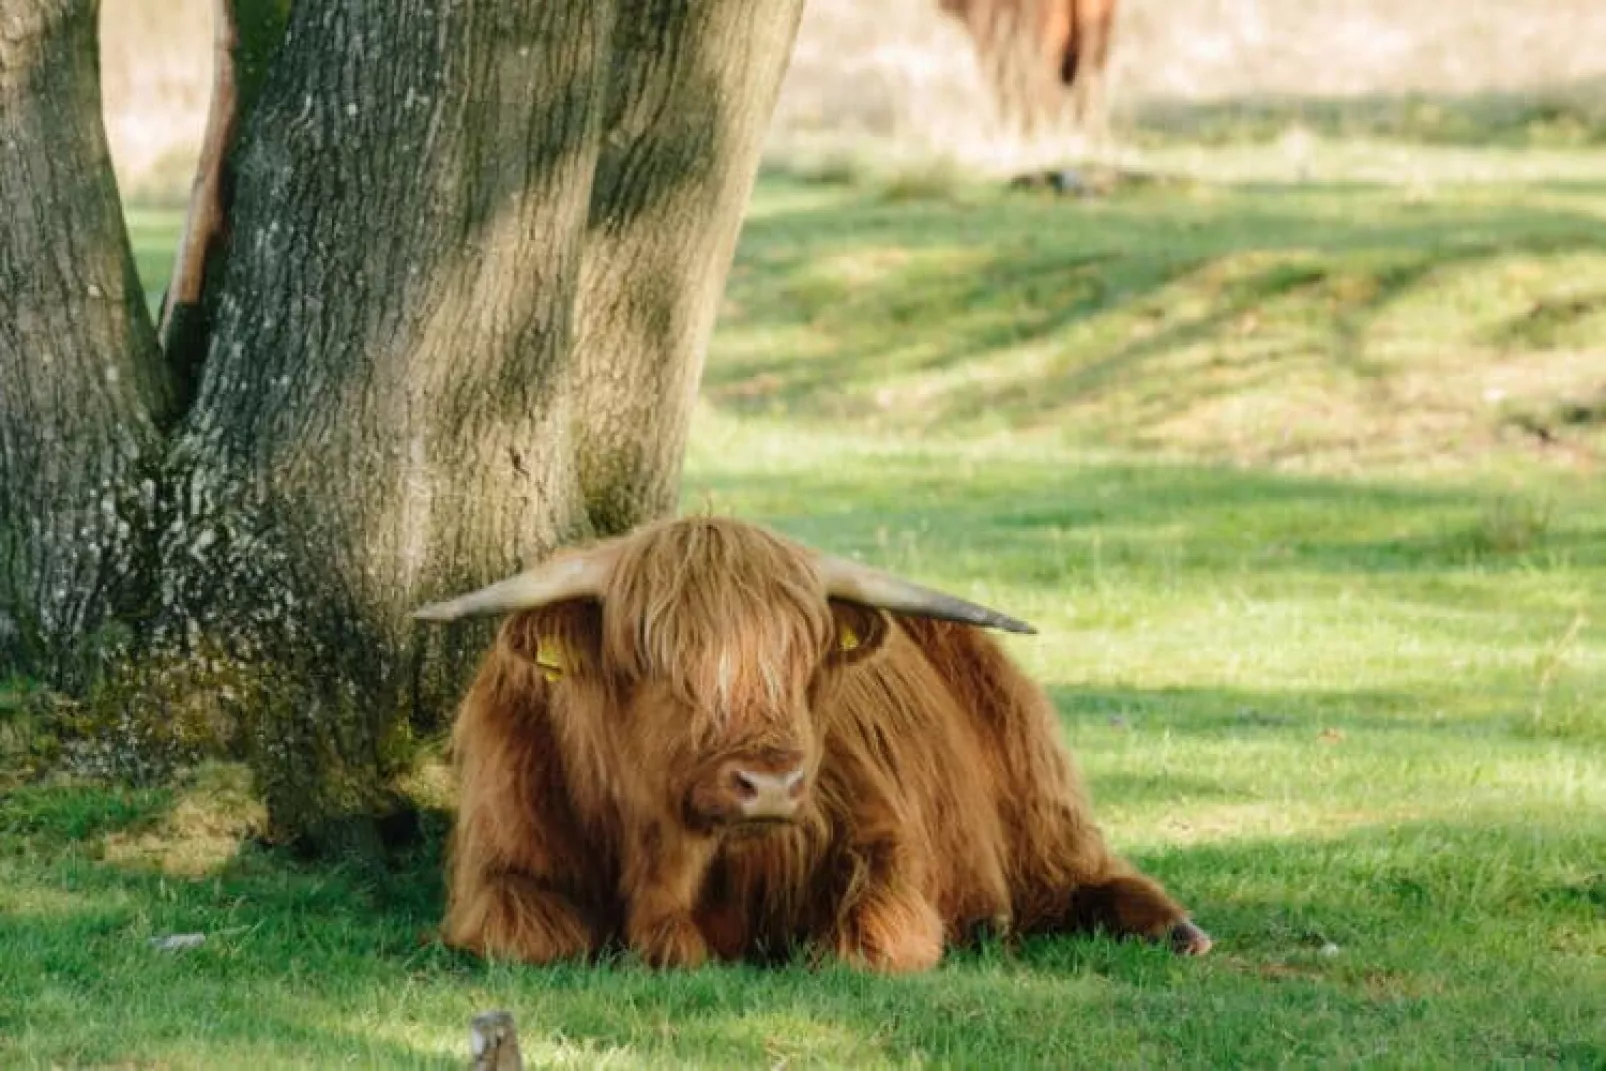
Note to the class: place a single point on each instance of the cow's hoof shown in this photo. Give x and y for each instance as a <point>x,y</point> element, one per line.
<point>1189,940</point>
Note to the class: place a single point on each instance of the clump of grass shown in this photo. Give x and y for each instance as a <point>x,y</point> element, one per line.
<point>834,165</point>
<point>838,169</point>
<point>939,179</point>
<point>1554,421</point>
<point>17,728</point>
<point>888,178</point>
<point>1512,524</point>
<point>1553,320</point>
<point>1555,713</point>
<point>30,724</point>
<point>65,812</point>
<point>212,811</point>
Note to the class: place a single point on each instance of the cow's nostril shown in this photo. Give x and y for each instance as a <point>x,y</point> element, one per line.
<point>761,795</point>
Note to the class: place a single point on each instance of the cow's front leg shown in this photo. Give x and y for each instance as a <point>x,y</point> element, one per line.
<point>887,924</point>
<point>514,915</point>
<point>663,876</point>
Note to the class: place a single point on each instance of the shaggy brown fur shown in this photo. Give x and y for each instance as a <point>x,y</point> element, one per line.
<point>939,798</point>
<point>1034,49</point>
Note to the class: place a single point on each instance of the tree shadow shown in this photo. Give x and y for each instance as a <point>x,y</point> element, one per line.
<point>1240,714</point>
<point>1560,116</point>
<point>1030,522</point>
<point>1550,321</point>
<point>1020,312</point>
<point>287,943</point>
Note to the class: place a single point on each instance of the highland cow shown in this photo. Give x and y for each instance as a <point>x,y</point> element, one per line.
<point>702,739</point>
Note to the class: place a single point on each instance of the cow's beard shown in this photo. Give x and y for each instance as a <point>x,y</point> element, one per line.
<point>802,834</point>
<point>757,828</point>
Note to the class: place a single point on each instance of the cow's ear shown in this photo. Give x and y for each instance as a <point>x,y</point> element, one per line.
<point>860,631</point>
<point>563,639</point>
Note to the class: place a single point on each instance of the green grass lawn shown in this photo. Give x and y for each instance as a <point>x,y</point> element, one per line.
<point>1301,485</point>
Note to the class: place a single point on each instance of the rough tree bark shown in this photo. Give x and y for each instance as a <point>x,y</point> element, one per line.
<point>689,97</point>
<point>82,387</point>
<point>381,409</point>
<point>471,254</point>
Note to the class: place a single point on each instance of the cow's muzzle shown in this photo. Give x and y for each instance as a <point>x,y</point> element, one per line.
<point>745,792</point>
<point>767,797</point>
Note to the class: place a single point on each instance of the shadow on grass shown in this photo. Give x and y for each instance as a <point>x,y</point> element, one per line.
<point>913,311</point>
<point>1241,714</point>
<point>287,942</point>
<point>1560,116</point>
<point>1405,942</point>
<point>1030,522</point>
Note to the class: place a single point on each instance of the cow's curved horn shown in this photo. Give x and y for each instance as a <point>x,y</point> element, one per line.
<point>859,583</point>
<point>572,576</point>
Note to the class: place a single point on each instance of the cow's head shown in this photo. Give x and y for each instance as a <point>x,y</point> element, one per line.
<point>700,647</point>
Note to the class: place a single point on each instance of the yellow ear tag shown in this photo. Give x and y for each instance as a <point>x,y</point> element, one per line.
<point>849,639</point>
<point>550,658</point>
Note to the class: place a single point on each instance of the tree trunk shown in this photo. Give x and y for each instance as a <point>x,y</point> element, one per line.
<point>456,271</point>
<point>382,412</point>
<point>393,405</point>
<point>82,385</point>
<point>692,89</point>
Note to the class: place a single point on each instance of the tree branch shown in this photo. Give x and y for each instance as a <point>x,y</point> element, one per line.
<point>183,328</point>
<point>241,47</point>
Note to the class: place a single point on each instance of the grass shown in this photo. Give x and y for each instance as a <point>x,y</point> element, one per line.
<point>1301,485</point>
<point>154,233</point>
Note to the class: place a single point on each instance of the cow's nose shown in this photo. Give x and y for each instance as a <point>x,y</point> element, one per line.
<point>766,795</point>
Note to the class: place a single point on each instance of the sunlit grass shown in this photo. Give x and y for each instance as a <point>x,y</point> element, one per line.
<point>154,232</point>
<point>1340,688</point>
